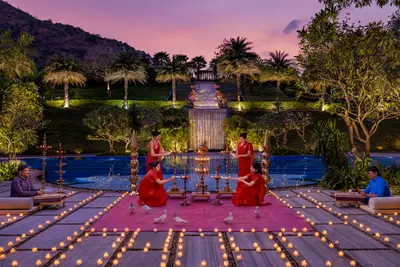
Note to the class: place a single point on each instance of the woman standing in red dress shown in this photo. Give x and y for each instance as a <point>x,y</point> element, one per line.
<point>253,189</point>
<point>155,152</point>
<point>245,156</point>
<point>151,189</point>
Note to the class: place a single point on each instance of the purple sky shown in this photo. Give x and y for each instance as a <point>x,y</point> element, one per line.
<point>192,27</point>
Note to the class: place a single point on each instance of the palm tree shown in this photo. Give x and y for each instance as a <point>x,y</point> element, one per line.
<point>128,67</point>
<point>236,58</point>
<point>198,63</point>
<point>63,69</point>
<point>161,59</point>
<point>176,71</point>
<point>278,68</point>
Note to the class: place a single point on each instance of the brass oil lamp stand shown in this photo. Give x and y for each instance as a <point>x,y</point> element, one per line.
<point>227,189</point>
<point>60,153</point>
<point>134,164</point>
<point>44,147</point>
<point>174,190</point>
<point>184,201</point>
<point>202,171</point>
<point>265,162</point>
<point>217,177</point>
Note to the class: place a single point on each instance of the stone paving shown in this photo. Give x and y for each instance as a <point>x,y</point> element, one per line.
<point>341,237</point>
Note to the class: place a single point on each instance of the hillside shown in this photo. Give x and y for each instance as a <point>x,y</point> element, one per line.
<point>52,38</point>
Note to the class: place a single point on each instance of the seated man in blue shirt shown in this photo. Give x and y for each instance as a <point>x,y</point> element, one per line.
<point>22,186</point>
<point>377,186</point>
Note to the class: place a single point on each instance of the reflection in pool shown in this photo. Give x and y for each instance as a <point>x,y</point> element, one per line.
<point>112,173</point>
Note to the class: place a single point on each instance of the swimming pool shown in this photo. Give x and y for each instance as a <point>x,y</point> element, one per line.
<point>112,173</point>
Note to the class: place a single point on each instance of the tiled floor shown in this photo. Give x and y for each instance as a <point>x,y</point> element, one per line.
<point>64,237</point>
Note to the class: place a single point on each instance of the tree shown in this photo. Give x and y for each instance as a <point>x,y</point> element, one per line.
<point>394,24</point>
<point>197,63</point>
<point>14,59</point>
<point>176,71</point>
<point>234,57</point>
<point>20,119</point>
<point>360,65</point>
<point>99,60</point>
<point>64,70</point>
<point>128,67</point>
<point>277,68</point>
<point>111,124</point>
<point>161,60</point>
<point>359,3</point>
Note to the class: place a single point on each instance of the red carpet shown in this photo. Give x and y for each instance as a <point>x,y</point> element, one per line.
<point>273,216</point>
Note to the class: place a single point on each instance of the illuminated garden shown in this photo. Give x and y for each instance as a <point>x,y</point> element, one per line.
<point>110,156</point>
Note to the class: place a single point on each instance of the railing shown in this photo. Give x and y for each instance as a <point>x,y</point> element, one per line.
<point>206,75</point>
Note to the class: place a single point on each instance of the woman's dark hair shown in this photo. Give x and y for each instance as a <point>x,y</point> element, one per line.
<point>373,169</point>
<point>22,167</point>
<point>257,166</point>
<point>155,133</point>
<point>244,135</point>
<point>153,164</point>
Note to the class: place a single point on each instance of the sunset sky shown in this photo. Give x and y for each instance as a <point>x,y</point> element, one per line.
<point>192,27</point>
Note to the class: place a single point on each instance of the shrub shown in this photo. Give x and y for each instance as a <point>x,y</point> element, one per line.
<point>392,175</point>
<point>396,143</point>
<point>347,177</point>
<point>8,170</point>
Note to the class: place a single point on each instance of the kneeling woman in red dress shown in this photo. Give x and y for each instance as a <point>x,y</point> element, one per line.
<point>151,189</point>
<point>252,191</point>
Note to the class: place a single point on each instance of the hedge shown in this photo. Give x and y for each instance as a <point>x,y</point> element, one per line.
<point>112,102</point>
<point>270,105</point>
<point>245,105</point>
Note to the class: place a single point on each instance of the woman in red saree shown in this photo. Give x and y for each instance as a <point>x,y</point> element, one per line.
<point>151,189</point>
<point>155,152</point>
<point>245,156</point>
<point>253,189</point>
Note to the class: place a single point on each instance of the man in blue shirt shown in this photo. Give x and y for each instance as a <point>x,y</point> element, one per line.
<point>22,186</point>
<point>377,186</point>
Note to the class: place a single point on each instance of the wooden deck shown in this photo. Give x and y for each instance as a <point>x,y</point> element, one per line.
<point>341,236</point>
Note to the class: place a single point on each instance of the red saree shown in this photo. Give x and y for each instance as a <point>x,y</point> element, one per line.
<point>250,195</point>
<point>149,158</point>
<point>244,163</point>
<point>151,193</point>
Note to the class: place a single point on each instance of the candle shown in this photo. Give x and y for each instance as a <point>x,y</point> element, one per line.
<point>119,255</point>
<point>255,245</point>
<point>203,264</point>
<point>71,247</point>
<point>38,262</point>
<point>145,250</point>
<point>162,264</point>
<point>226,263</point>
<point>253,230</point>
<point>328,264</point>
<point>99,262</point>
<point>258,250</point>
<point>239,257</point>
<point>123,249</point>
<point>225,256</point>
<point>295,253</point>
<point>341,254</point>
<point>178,263</point>
<point>288,264</point>
<point>79,262</point>
<point>56,262</point>
<point>63,256</point>
<point>48,256</point>
<point>353,263</point>
<point>304,263</point>
<point>115,262</point>
<point>290,245</point>
<point>53,249</point>
<point>283,256</point>
<point>14,263</point>
<point>180,254</point>
<point>265,230</point>
<point>201,234</point>
<point>34,250</point>
<point>105,255</point>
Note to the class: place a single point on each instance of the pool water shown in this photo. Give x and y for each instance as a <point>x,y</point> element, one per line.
<point>112,173</point>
